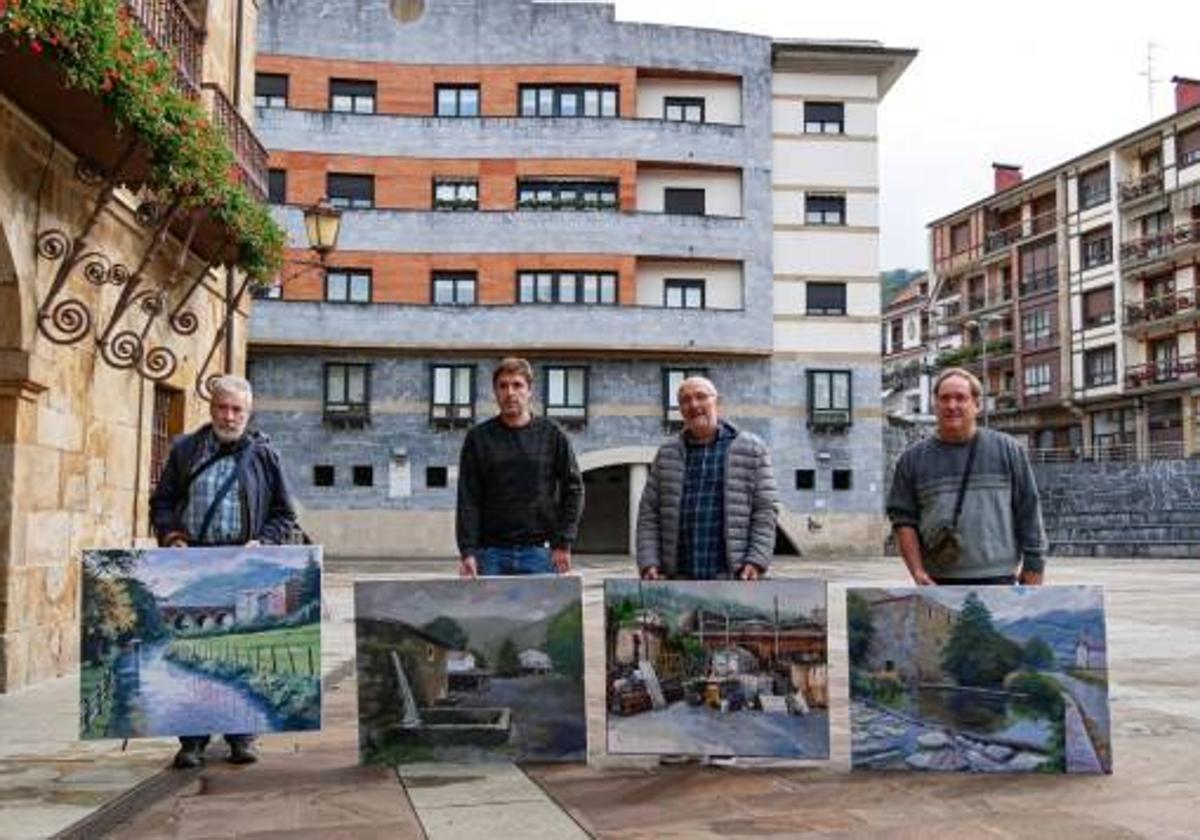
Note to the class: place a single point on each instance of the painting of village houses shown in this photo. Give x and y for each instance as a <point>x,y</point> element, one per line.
<point>470,670</point>
<point>979,679</point>
<point>200,640</point>
<point>717,668</point>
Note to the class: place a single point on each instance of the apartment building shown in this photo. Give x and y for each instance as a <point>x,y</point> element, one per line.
<point>908,364</point>
<point>1076,290</point>
<point>623,204</point>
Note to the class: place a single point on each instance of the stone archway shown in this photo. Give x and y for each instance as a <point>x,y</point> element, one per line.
<point>613,482</point>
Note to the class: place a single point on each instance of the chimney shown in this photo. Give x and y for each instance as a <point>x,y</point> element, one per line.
<point>1006,175</point>
<point>1187,93</point>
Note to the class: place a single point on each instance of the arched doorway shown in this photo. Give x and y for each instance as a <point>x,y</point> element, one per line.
<point>613,480</point>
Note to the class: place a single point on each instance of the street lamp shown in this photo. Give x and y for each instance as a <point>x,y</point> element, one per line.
<point>981,326</point>
<point>322,223</point>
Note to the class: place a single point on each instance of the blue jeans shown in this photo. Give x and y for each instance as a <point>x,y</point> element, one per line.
<point>521,560</point>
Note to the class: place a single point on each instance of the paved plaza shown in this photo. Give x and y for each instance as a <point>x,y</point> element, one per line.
<point>310,785</point>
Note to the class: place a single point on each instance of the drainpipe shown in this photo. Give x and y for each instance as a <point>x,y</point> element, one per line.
<point>239,32</point>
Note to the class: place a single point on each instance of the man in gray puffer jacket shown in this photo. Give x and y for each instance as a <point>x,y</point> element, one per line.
<point>708,510</point>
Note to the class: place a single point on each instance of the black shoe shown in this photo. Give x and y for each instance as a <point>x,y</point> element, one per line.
<point>242,751</point>
<point>190,756</point>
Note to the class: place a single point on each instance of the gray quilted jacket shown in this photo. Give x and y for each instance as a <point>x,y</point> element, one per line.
<point>749,506</point>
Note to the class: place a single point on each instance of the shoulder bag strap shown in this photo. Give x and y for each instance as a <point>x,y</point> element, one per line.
<point>222,491</point>
<point>962,488</point>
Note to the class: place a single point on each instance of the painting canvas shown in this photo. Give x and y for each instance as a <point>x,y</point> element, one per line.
<point>470,670</point>
<point>193,641</point>
<point>717,668</point>
<point>988,679</point>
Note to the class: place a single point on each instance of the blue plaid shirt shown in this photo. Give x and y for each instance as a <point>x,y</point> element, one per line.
<point>702,510</point>
<point>227,525</point>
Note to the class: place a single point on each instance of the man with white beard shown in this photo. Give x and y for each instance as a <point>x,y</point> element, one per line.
<point>222,485</point>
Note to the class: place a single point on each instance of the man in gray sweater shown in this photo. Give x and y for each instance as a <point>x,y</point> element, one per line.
<point>1001,538</point>
<point>708,510</point>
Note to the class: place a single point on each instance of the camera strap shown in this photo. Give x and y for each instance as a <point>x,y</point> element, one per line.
<point>962,488</point>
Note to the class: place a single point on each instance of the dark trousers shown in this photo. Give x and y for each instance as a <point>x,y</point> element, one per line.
<point>999,580</point>
<point>199,742</point>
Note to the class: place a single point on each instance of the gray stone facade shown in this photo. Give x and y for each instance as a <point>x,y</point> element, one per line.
<point>625,348</point>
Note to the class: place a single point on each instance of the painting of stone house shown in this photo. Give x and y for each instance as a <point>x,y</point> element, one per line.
<point>717,668</point>
<point>979,679</point>
<point>470,670</point>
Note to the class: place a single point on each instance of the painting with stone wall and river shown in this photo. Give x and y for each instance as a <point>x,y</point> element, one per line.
<point>979,679</point>
<point>193,641</point>
<point>470,670</point>
<point>718,668</point>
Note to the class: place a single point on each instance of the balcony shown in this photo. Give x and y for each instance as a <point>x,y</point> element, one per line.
<point>1146,252</point>
<point>1039,281</point>
<point>1141,186</point>
<point>1160,372</point>
<point>632,330</point>
<point>249,152</point>
<point>1160,308</point>
<point>171,28</point>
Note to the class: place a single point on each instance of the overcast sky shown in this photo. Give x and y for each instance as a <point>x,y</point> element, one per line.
<point>1023,82</point>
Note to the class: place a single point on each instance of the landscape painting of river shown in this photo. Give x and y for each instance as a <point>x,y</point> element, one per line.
<point>986,679</point>
<point>717,668</point>
<point>194,641</point>
<point>470,670</point>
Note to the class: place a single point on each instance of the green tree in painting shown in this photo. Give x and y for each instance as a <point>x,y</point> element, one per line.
<point>508,664</point>
<point>859,627</point>
<point>976,654</point>
<point>310,583</point>
<point>564,641</point>
<point>448,631</point>
<point>149,623</point>
<point>1037,655</point>
<point>108,613</point>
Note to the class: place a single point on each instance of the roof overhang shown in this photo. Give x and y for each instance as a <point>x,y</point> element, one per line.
<point>843,58</point>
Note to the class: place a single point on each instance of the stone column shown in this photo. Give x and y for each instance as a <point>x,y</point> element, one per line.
<point>638,473</point>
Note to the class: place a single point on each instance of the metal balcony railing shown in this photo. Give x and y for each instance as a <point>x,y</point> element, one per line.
<point>171,28</point>
<point>1154,373</point>
<point>1039,281</point>
<point>1159,308</point>
<point>249,152</point>
<point>1141,186</point>
<point>1158,246</point>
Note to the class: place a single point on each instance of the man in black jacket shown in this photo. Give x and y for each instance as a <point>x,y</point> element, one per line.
<point>222,485</point>
<point>520,492</point>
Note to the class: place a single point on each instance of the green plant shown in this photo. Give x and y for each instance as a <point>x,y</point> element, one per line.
<point>102,50</point>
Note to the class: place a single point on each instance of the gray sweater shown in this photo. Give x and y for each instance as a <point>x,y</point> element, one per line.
<point>1001,519</point>
<point>749,506</point>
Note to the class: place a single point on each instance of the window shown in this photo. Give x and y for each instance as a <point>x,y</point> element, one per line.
<point>960,238</point>
<point>453,194</point>
<point>277,186</point>
<point>1187,146</point>
<point>1100,366</point>
<point>829,402</point>
<point>1098,307</point>
<point>1039,267</point>
<point>569,101</point>
<point>824,209</point>
<point>453,400</point>
<point>683,294</point>
<point>582,287</point>
<point>1037,379</point>
<point>683,109</point>
<point>272,291</point>
<point>672,379</point>
<point>1096,246</point>
<point>1093,187</point>
<point>566,393</point>
<point>456,100</point>
<point>355,192</point>
<point>567,195</point>
<point>897,335</point>
<point>351,96</point>
<point>1036,327</point>
<point>363,476</point>
<point>270,90</point>
<point>825,298</point>
<point>806,479</point>
<point>437,477</point>
<point>843,479</point>
<point>323,475</point>
<point>347,285</point>
<point>454,288</point>
<point>683,201</point>
<point>167,423</point>
<point>824,118</point>
<point>347,391</point>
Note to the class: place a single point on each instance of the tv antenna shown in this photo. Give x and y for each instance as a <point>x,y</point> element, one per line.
<point>1150,80</point>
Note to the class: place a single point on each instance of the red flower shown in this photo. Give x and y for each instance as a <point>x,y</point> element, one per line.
<point>35,47</point>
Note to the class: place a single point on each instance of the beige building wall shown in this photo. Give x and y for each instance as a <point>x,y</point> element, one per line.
<point>722,98</point>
